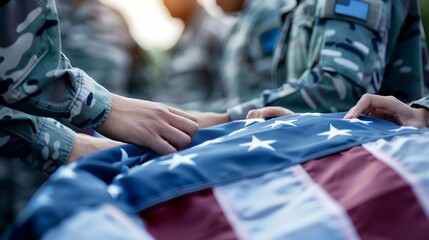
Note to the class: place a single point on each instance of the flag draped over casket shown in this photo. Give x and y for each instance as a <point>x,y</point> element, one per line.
<point>303,176</point>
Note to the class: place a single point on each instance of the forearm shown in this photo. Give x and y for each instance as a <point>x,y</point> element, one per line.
<point>85,144</point>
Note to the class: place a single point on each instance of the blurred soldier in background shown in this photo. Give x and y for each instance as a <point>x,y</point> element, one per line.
<point>248,55</point>
<point>192,80</point>
<point>331,52</point>
<point>96,39</point>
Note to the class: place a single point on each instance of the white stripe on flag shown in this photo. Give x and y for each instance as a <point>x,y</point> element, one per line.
<point>347,226</point>
<point>409,157</point>
<point>283,205</point>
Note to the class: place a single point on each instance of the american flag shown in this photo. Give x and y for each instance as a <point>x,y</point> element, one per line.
<point>303,176</point>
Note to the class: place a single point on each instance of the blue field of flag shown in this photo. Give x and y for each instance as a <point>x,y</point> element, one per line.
<point>352,8</point>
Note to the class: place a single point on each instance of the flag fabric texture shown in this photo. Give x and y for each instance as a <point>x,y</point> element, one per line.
<point>303,176</point>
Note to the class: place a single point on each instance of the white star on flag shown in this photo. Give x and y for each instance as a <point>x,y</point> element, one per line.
<point>310,114</point>
<point>403,128</point>
<point>357,120</point>
<point>67,173</point>
<point>333,132</point>
<point>178,160</point>
<point>216,140</point>
<point>256,143</point>
<point>252,121</point>
<point>114,191</point>
<point>72,165</point>
<point>237,131</point>
<point>147,163</point>
<point>280,122</point>
<point>124,154</point>
<point>44,199</point>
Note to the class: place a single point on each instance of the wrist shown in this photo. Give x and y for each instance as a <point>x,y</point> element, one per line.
<point>225,117</point>
<point>420,118</point>
<point>85,144</point>
<point>426,116</point>
<point>104,127</point>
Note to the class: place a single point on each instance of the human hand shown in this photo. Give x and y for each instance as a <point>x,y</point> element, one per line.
<point>157,126</point>
<point>207,119</point>
<point>85,144</point>
<point>389,108</point>
<point>268,112</point>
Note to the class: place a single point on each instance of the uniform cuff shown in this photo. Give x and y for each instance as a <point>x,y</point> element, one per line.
<point>53,144</point>
<point>92,105</point>
<point>240,111</point>
<point>424,102</point>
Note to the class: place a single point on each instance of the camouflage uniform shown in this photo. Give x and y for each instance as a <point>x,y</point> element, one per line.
<point>36,78</point>
<point>423,102</point>
<point>192,79</point>
<point>331,52</point>
<point>96,39</point>
<point>248,54</point>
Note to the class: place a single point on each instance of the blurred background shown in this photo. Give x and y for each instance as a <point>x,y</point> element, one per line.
<point>150,22</point>
<point>153,27</point>
<point>424,5</point>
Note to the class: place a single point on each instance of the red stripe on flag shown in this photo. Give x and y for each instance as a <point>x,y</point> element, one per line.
<point>379,202</point>
<point>192,216</point>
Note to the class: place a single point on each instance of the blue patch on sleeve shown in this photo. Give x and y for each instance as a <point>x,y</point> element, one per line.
<point>352,8</point>
<point>269,40</point>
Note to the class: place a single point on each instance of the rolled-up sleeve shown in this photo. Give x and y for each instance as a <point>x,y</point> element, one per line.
<point>423,102</point>
<point>44,143</point>
<point>35,77</point>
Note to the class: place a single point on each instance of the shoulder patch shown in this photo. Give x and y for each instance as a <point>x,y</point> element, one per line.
<point>352,8</point>
<point>370,13</point>
<point>269,40</point>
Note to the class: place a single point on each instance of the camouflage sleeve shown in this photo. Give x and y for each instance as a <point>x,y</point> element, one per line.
<point>424,102</point>
<point>331,60</point>
<point>44,143</point>
<point>35,77</point>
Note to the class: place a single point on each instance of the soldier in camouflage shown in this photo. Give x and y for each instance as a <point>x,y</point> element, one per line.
<point>80,19</point>
<point>36,78</point>
<point>248,53</point>
<point>331,52</point>
<point>192,76</point>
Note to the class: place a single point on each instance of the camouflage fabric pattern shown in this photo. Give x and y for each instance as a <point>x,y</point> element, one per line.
<point>96,39</point>
<point>326,61</point>
<point>249,47</point>
<point>423,102</point>
<point>43,143</point>
<point>192,77</point>
<point>36,78</point>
